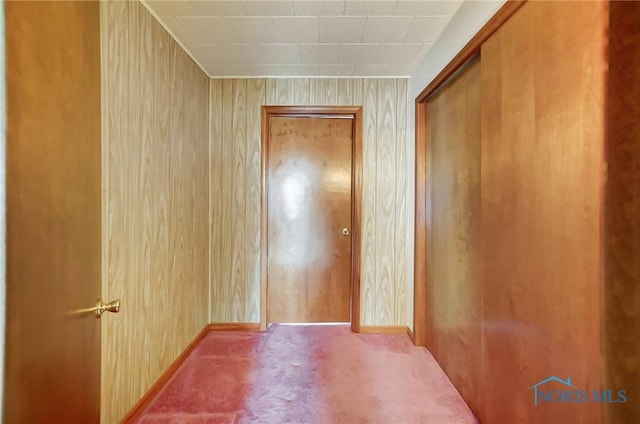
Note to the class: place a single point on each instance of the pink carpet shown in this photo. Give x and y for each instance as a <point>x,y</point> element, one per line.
<point>308,374</point>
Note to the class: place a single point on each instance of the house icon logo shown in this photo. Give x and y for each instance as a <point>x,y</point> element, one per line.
<point>548,380</point>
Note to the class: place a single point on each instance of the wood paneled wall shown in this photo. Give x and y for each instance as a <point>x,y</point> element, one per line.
<point>235,109</point>
<point>453,257</point>
<point>155,202</point>
<point>515,240</point>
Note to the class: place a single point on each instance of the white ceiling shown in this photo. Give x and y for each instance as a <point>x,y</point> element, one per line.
<point>329,38</point>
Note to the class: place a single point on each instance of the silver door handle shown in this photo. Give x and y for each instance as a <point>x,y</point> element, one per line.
<point>345,232</point>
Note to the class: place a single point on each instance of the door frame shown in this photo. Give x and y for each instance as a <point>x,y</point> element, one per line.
<point>349,112</point>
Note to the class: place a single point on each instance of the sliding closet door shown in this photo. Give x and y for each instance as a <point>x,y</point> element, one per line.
<point>542,175</point>
<point>453,179</point>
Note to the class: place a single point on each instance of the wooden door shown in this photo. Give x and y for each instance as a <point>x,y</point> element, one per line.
<point>53,212</point>
<point>309,219</point>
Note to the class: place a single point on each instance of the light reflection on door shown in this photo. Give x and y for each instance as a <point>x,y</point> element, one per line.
<point>300,231</point>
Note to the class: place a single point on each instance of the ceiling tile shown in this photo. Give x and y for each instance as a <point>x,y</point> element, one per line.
<point>426,29</point>
<point>171,8</point>
<point>370,7</point>
<point>306,37</point>
<point>179,31</point>
<point>211,53</point>
<point>205,30</point>
<point>386,29</point>
<point>420,7</point>
<point>358,53</point>
<point>268,8</point>
<point>296,29</point>
<point>236,54</point>
<point>319,8</point>
<point>217,8</point>
<point>319,53</point>
<point>368,70</point>
<point>274,53</point>
<point>226,70</point>
<point>248,54</point>
<point>398,53</point>
<point>284,70</point>
<point>346,29</point>
<point>250,29</point>
<point>400,69</point>
<point>336,70</point>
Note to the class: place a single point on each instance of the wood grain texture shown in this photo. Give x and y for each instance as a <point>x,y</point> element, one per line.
<point>385,201</point>
<point>622,212</point>
<point>255,95</point>
<point>542,171</point>
<point>452,331</point>
<point>368,287</point>
<point>400,205</point>
<point>156,202</point>
<point>309,203</point>
<point>52,356</point>
<point>382,303</point>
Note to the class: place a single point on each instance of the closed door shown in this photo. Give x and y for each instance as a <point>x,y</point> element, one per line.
<point>309,219</point>
<point>52,372</point>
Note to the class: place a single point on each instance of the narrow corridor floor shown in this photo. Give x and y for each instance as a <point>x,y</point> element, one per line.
<point>321,374</point>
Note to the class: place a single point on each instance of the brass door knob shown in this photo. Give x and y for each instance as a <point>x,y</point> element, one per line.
<point>101,307</point>
<point>345,232</point>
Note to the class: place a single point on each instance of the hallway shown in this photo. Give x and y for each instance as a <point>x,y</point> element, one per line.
<point>491,211</point>
<point>307,374</point>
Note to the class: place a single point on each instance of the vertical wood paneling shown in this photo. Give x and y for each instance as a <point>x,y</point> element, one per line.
<point>368,276</point>
<point>156,202</point>
<point>216,103</point>
<point>329,94</point>
<point>302,91</point>
<point>383,223</point>
<point>385,199</point>
<point>255,98</point>
<point>227,202</point>
<point>238,218</point>
<point>400,205</point>
<point>315,95</point>
<point>345,91</point>
<point>357,93</point>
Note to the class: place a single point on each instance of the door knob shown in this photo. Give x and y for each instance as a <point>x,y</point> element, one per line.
<point>101,307</point>
<point>345,232</point>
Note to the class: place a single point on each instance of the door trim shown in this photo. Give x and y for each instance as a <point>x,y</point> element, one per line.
<point>349,112</point>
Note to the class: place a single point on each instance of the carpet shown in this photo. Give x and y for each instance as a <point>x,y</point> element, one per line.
<point>316,374</point>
